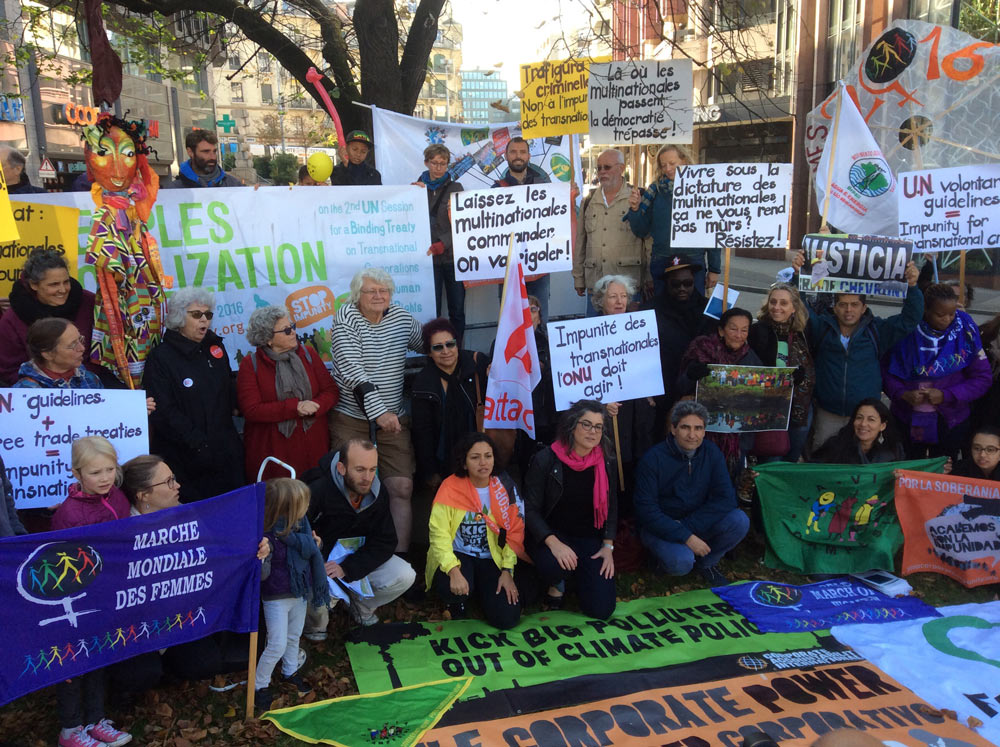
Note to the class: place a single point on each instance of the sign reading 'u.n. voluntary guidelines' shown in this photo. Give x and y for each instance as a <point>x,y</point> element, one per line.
<point>80,599</point>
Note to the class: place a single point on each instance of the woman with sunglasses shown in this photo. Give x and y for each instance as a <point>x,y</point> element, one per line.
<point>284,392</point>
<point>446,393</point>
<point>189,376</point>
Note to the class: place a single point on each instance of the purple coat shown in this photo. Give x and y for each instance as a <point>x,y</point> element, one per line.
<point>960,388</point>
<point>26,309</point>
<point>81,509</point>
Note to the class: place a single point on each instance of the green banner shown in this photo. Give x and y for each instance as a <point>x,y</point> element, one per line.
<point>832,518</point>
<point>550,646</point>
<point>398,717</point>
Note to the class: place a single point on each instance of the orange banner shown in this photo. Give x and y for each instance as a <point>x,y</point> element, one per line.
<point>793,707</point>
<point>951,525</point>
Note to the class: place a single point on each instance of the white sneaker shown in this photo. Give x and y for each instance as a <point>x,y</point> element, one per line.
<point>319,635</point>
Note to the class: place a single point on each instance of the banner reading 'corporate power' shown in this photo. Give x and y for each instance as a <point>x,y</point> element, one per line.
<point>294,247</point>
<point>80,599</point>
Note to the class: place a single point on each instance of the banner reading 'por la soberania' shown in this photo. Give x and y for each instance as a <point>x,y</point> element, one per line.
<point>80,599</point>
<point>296,247</point>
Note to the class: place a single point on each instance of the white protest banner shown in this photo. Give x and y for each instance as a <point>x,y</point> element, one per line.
<point>295,247</point>
<point>607,358</point>
<point>38,428</point>
<point>641,102</point>
<point>731,204</point>
<point>951,209</point>
<point>869,265</point>
<point>482,221</point>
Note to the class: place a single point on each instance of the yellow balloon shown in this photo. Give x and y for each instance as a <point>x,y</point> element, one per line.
<point>320,166</point>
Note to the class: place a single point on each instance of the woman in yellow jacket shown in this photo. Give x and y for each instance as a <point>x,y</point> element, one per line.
<point>476,535</point>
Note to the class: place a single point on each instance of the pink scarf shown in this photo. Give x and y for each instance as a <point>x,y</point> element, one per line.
<point>578,463</point>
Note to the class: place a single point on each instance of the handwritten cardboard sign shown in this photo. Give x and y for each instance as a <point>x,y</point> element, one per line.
<point>951,209</point>
<point>641,102</point>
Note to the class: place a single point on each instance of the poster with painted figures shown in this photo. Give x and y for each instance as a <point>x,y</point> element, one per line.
<point>744,399</point>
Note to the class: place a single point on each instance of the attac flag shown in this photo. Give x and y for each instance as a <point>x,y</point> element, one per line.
<point>398,717</point>
<point>515,371</point>
<point>825,518</point>
<point>862,194</point>
<point>951,525</point>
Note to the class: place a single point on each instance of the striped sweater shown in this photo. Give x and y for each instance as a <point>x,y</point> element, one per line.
<point>375,353</point>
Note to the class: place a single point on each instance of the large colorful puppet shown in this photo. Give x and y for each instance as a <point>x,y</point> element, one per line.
<point>129,311</point>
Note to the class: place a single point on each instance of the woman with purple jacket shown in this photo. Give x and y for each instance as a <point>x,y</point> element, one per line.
<point>933,375</point>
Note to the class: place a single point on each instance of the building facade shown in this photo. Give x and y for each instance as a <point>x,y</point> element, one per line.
<point>480,90</point>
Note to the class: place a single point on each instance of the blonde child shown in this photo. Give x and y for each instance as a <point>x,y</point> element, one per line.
<point>92,500</point>
<point>293,577</point>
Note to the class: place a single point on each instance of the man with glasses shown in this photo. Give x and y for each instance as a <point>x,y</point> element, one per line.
<point>370,338</point>
<point>605,244</point>
<point>685,503</point>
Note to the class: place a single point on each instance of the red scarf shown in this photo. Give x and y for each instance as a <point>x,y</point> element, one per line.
<point>578,463</point>
<point>459,492</point>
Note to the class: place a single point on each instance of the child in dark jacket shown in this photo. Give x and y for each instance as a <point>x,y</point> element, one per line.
<point>94,499</point>
<point>293,577</point>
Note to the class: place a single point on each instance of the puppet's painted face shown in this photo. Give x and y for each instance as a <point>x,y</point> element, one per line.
<point>113,162</point>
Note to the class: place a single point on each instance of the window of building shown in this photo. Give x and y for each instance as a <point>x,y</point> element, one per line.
<point>234,61</point>
<point>236,92</point>
<point>264,62</point>
<point>741,14</point>
<point>266,94</point>
<point>756,76</point>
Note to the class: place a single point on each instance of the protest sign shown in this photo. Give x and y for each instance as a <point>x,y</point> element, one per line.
<point>714,306</point>
<point>295,247</point>
<point>554,97</point>
<point>731,204</point>
<point>38,428</point>
<point>482,221</point>
<point>40,227</point>
<point>742,399</point>
<point>950,661</point>
<point>80,599</point>
<point>823,518</point>
<point>869,265</point>
<point>641,102</point>
<point>650,632</point>
<point>607,358</point>
<point>775,607</point>
<point>794,708</point>
<point>951,526</point>
<point>950,209</point>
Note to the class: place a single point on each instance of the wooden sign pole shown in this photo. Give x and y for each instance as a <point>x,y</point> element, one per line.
<point>725,281</point>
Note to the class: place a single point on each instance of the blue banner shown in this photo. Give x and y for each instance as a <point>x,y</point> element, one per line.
<point>784,608</point>
<point>80,599</point>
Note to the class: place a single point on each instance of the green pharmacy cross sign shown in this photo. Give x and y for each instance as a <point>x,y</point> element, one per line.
<point>227,123</point>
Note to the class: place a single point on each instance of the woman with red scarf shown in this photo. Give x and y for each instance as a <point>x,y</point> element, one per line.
<point>571,501</point>
<point>476,536</point>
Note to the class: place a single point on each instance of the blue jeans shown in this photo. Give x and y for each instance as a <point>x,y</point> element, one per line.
<point>284,618</point>
<point>658,264</point>
<point>444,280</point>
<point>677,559</point>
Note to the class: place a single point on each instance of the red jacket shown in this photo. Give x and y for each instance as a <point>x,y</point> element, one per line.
<point>258,399</point>
<point>82,509</point>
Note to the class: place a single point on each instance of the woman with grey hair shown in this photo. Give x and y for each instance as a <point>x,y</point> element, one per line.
<point>284,392</point>
<point>189,375</point>
<point>45,289</point>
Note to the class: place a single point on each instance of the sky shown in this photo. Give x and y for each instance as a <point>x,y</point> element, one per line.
<point>511,31</point>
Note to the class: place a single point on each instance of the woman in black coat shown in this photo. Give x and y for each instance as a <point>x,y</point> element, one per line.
<point>446,393</point>
<point>868,438</point>
<point>189,376</point>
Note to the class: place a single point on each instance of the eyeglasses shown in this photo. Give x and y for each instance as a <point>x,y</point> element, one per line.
<point>439,346</point>
<point>591,427</point>
<point>198,314</point>
<point>606,167</point>
<point>78,343</point>
<point>375,291</point>
<point>170,482</point>
<point>535,309</point>
<point>286,330</point>
<point>438,164</point>
<point>682,284</point>
<point>991,450</point>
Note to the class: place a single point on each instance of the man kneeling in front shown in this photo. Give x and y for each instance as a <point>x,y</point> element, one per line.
<point>684,500</point>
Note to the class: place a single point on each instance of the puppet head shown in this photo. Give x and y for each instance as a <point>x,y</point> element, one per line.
<point>116,152</point>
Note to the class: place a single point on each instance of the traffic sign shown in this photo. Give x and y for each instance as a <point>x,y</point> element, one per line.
<point>46,170</point>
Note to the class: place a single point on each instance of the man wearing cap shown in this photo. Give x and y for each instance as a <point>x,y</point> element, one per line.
<point>605,245</point>
<point>202,167</point>
<point>353,171</point>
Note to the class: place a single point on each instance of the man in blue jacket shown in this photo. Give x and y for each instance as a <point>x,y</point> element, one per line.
<point>847,344</point>
<point>202,168</point>
<point>685,503</point>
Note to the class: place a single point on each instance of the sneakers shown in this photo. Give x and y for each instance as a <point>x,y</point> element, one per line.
<point>79,737</point>
<point>298,682</point>
<point>302,659</point>
<point>106,733</point>
<point>365,622</point>
<point>713,576</point>
<point>262,699</point>
<point>319,635</point>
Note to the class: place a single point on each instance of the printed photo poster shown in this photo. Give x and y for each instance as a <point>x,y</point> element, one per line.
<point>295,247</point>
<point>951,209</point>
<point>40,227</point>
<point>608,358</point>
<point>744,399</point>
<point>38,428</point>
<point>951,526</point>
<point>538,215</point>
<point>869,265</point>
<point>641,102</point>
<point>554,97</point>
<point>736,205</point>
<point>478,154</point>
